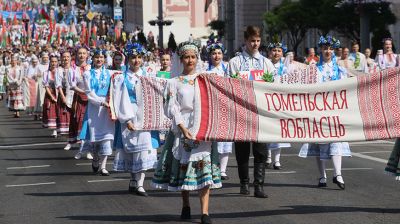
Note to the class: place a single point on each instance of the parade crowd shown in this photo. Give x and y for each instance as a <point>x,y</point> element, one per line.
<point>69,88</point>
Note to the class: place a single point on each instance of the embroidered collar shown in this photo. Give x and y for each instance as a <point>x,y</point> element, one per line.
<point>246,55</point>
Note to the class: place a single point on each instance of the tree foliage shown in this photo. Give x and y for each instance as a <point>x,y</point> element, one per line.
<point>296,17</point>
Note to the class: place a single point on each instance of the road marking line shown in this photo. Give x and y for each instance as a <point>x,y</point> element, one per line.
<point>108,180</point>
<point>372,142</point>
<point>280,172</point>
<point>368,157</point>
<point>372,152</point>
<point>34,144</point>
<point>24,185</point>
<point>89,164</point>
<point>353,169</point>
<point>26,167</point>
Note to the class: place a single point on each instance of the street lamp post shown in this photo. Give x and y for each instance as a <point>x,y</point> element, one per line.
<point>160,22</point>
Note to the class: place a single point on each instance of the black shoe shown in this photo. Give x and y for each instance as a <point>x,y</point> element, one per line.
<point>205,219</point>
<point>340,185</point>
<point>141,193</point>
<point>224,178</point>
<point>259,192</point>
<point>104,172</point>
<point>277,167</point>
<point>244,189</point>
<point>95,166</point>
<point>132,186</point>
<point>268,165</point>
<point>185,214</point>
<point>321,184</point>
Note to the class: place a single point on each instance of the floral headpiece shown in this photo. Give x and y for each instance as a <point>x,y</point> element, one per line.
<point>329,41</point>
<point>134,49</point>
<point>214,46</point>
<point>188,45</point>
<point>278,45</point>
<point>99,51</point>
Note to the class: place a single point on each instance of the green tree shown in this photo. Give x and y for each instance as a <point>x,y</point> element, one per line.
<point>172,43</point>
<point>291,18</point>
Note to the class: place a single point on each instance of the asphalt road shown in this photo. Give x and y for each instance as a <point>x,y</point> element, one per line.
<point>42,183</point>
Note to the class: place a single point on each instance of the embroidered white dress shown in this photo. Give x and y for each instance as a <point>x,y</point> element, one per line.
<point>185,164</point>
<point>101,127</point>
<point>137,153</point>
<point>386,61</point>
<point>326,73</point>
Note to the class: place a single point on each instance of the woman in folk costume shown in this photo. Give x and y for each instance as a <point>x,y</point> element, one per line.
<point>138,152</point>
<point>250,64</point>
<point>217,66</point>
<point>100,126</point>
<point>386,61</point>
<point>328,70</point>
<point>185,163</point>
<point>387,58</point>
<point>277,49</point>
<point>2,78</point>
<point>372,66</point>
<point>117,61</point>
<point>79,103</point>
<point>65,94</point>
<point>14,77</point>
<point>41,92</point>
<point>31,81</point>
<point>345,61</point>
<point>358,58</point>
<point>50,98</point>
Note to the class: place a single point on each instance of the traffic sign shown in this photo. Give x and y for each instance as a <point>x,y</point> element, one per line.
<point>117,13</point>
<point>90,15</point>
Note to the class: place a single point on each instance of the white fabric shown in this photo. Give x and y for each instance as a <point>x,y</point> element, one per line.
<point>126,111</point>
<point>236,64</point>
<point>363,66</point>
<point>62,80</point>
<point>180,110</point>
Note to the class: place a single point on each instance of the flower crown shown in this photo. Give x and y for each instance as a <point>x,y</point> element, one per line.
<point>214,46</point>
<point>188,45</point>
<point>329,41</point>
<point>99,51</point>
<point>277,45</point>
<point>134,49</point>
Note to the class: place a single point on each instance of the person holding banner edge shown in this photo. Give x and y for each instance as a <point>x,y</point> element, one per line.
<point>328,70</point>
<point>247,65</point>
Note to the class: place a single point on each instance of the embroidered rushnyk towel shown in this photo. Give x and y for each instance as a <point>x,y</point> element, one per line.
<point>150,100</point>
<point>366,107</point>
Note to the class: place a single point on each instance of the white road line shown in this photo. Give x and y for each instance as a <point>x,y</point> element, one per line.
<point>26,167</point>
<point>372,142</point>
<point>280,172</point>
<point>368,157</point>
<point>373,152</point>
<point>29,145</point>
<point>353,169</point>
<point>35,184</point>
<point>108,180</point>
<point>89,164</point>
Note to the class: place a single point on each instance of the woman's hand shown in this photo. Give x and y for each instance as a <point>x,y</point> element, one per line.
<point>105,104</point>
<point>186,132</point>
<point>130,126</point>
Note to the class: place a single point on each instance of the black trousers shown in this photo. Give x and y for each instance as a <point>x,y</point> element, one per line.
<point>242,152</point>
